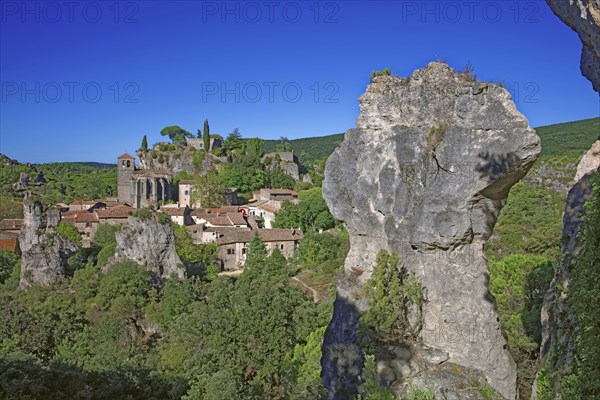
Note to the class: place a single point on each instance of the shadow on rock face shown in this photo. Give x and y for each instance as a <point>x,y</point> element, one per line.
<point>342,360</point>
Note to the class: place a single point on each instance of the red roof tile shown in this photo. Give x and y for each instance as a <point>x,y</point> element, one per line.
<point>126,155</point>
<point>119,211</point>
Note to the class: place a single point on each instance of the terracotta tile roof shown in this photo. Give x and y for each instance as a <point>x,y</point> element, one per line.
<point>252,222</point>
<point>185,182</point>
<point>268,208</point>
<point>126,155</point>
<point>119,211</point>
<point>85,203</point>
<point>224,220</point>
<point>195,227</point>
<point>267,235</point>
<point>237,218</point>
<point>175,212</point>
<point>79,216</point>
<point>219,210</point>
<point>11,224</point>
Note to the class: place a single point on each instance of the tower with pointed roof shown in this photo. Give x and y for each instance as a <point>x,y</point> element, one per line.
<point>126,166</point>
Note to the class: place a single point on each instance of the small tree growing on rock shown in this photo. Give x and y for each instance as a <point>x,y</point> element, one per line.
<point>395,298</point>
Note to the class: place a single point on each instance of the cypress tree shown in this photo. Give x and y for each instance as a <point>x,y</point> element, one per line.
<point>144,146</point>
<point>206,136</point>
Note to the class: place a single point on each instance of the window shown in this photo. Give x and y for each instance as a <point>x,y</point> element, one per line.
<point>230,251</point>
<point>244,250</point>
<point>88,224</point>
<point>128,163</point>
<point>187,192</point>
<point>281,246</point>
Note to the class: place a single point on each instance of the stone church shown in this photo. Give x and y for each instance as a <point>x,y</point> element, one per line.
<point>142,187</point>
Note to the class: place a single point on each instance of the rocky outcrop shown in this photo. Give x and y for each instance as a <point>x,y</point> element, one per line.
<point>286,161</point>
<point>7,161</point>
<point>149,242</point>
<point>558,323</point>
<point>44,252</point>
<point>22,183</point>
<point>179,160</point>
<point>589,162</point>
<point>583,16</point>
<point>425,174</point>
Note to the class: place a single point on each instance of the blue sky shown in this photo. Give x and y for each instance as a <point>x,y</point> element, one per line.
<point>84,81</point>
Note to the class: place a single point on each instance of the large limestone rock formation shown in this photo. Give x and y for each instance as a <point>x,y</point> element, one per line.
<point>44,252</point>
<point>583,16</point>
<point>149,243</point>
<point>424,174</point>
<point>589,162</point>
<point>558,323</point>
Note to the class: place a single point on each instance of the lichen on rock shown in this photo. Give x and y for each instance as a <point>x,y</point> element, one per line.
<point>424,175</point>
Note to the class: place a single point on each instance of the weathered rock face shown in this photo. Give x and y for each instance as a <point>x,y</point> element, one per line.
<point>558,323</point>
<point>424,175</point>
<point>589,162</point>
<point>286,161</point>
<point>150,244</point>
<point>44,252</point>
<point>22,183</point>
<point>583,16</point>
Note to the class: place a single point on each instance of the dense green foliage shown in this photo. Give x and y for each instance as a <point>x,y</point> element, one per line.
<point>69,232</point>
<point>115,334</point>
<point>311,213</point>
<point>207,190</point>
<point>583,300</point>
<point>175,133</point>
<point>66,182</point>
<point>8,262</point>
<point>395,298</point>
<point>519,283</point>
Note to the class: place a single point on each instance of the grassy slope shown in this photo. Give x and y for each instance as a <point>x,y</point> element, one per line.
<point>570,139</point>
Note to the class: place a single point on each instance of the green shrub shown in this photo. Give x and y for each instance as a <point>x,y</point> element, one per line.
<point>583,300</point>
<point>68,231</point>
<point>395,298</point>
<point>418,393</point>
<point>163,218</point>
<point>383,72</point>
<point>143,214</point>
<point>8,261</point>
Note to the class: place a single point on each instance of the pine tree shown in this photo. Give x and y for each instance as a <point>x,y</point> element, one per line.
<point>257,251</point>
<point>144,146</point>
<point>206,136</point>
